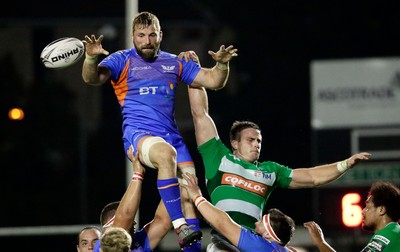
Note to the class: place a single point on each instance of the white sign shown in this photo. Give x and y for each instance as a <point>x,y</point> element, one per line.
<point>355,93</point>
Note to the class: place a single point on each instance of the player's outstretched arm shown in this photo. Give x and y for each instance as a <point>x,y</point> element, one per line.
<point>324,174</point>
<point>204,125</point>
<point>216,77</point>
<point>91,73</point>
<point>129,204</point>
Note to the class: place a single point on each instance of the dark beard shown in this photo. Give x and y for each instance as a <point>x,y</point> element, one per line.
<point>148,55</point>
<point>367,228</point>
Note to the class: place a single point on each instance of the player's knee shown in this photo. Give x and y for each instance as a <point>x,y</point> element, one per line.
<point>166,153</point>
<point>164,156</point>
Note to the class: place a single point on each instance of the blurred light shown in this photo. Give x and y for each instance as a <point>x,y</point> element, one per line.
<point>108,31</point>
<point>16,114</point>
<point>351,211</point>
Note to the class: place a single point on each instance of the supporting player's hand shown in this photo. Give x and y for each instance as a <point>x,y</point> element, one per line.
<point>192,185</point>
<point>136,164</point>
<point>93,46</point>
<point>189,55</point>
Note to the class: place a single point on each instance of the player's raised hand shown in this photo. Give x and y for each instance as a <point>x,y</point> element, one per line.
<point>93,46</point>
<point>224,55</point>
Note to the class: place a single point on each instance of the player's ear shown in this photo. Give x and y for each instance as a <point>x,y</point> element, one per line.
<point>266,235</point>
<point>161,34</point>
<point>382,210</point>
<point>234,144</point>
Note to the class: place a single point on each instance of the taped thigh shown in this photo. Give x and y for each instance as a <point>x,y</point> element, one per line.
<point>146,145</point>
<point>181,171</point>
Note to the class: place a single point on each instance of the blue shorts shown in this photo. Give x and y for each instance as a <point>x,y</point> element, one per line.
<point>132,136</point>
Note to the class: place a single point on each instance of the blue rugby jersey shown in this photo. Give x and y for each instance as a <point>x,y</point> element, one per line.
<point>146,90</point>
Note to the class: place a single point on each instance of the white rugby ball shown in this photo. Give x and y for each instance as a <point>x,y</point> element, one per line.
<point>62,53</point>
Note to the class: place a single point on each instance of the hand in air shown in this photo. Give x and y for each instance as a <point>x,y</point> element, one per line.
<point>224,55</point>
<point>316,234</point>
<point>93,46</point>
<point>353,160</point>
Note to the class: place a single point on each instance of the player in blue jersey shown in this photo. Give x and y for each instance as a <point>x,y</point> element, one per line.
<point>145,79</point>
<point>236,181</point>
<point>272,233</point>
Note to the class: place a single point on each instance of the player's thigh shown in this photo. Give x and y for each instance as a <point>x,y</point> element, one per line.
<point>182,169</point>
<point>155,150</point>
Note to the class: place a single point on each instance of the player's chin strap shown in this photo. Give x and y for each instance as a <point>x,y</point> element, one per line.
<point>268,228</point>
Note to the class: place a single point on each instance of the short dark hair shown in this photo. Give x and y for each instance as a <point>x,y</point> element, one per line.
<point>282,225</point>
<point>238,126</point>
<point>386,194</point>
<point>108,212</point>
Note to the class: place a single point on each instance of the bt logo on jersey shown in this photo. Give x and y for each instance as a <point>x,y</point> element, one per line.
<point>147,90</point>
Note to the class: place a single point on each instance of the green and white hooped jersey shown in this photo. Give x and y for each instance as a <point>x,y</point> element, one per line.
<point>237,187</point>
<point>386,239</point>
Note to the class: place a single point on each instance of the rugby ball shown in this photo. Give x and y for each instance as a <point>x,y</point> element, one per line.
<point>62,53</point>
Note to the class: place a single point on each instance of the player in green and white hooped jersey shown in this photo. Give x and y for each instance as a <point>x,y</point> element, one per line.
<point>381,215</point>
<point>236,181</point>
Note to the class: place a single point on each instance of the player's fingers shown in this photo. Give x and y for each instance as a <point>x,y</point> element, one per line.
<point>105,52</point>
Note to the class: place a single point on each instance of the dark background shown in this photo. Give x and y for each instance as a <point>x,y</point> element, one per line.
<point>57,170</point>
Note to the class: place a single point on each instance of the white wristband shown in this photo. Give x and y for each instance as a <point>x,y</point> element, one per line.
<point>90,59</point>
<point>222,66</point>
<point>342,166</point>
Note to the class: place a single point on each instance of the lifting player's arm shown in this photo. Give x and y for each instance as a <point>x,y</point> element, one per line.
<point>217,218</point>
<point>127,208</point>
<point>204,126</point>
